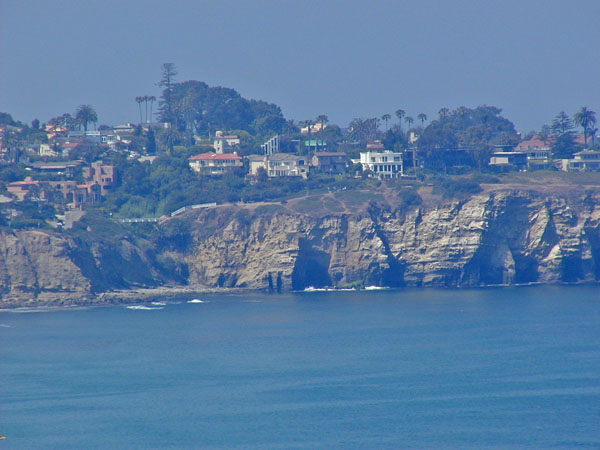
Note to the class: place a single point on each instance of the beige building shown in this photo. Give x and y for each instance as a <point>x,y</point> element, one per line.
<point>210,163</point>
<point>225,144</point>
<point>280,165</point>
<point>584,161</point>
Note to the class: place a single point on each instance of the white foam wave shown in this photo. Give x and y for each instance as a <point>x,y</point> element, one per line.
<point>375,288</point>
<point>196,300</point>
<point>3,325</point>
<point>142,307</point>
<point>314,289</point>
<point>158,303</point>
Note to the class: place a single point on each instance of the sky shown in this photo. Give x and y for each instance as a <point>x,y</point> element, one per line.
<point>344,59</point>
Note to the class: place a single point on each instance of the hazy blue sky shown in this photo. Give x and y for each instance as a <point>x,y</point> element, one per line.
<point>345,59</point>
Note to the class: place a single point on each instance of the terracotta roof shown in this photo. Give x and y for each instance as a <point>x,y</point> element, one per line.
<point>533,143</point>
<point>214,156</point>
<point>23,183</point>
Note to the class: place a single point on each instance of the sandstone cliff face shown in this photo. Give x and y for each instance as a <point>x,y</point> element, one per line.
<point>502,237</point>
<point>42,267</point>
<point>35,265</point>
<point>499,237</point>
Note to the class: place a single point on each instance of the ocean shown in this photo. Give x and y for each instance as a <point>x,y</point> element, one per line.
<point>477,368</point>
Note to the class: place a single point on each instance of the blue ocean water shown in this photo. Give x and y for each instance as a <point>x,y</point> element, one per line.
<point>481,368</point>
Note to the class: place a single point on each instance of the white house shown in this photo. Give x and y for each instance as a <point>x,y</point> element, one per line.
<point>383,164</point>
<point>584,161</point>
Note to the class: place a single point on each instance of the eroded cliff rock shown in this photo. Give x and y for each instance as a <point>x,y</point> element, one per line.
<point>501,237</point>
<point>496,237</point>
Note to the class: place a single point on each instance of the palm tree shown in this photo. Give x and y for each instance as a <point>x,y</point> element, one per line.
<point>409,120</point>
<point>67,121</point>
<point>586,119</point>
<point>323,120</point>
<point>146,98</point>
<point>85,114</point>
<point>139,101</point>
<point>593,132</point>
<point>400,114</point>
<point>422,117</point>
<point>309,123</point>
<point>386,118</point>
<point>152,99</point>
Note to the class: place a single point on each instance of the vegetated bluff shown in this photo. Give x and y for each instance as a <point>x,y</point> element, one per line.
<point>496,237</point>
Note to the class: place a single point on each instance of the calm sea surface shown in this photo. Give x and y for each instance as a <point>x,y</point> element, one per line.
<point>485,368</point>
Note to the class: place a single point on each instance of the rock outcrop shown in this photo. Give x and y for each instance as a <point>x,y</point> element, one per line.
<point>493,238</point>
<point>501,237</point>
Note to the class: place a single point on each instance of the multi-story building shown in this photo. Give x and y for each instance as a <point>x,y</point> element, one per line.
<point>330,162</point>
<point>103,175</point>
<point>509,160</point>
<point>383,164</point>
<point>584,161</point>
<point>280,165</point>
<point>225,144</point>
<point>210,163</point>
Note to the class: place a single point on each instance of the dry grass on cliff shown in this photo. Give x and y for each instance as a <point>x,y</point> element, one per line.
<point>343,202</point>
<point>547,182</point>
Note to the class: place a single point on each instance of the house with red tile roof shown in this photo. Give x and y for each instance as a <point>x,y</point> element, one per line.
<point>210,163</point>
<point>21,189</point>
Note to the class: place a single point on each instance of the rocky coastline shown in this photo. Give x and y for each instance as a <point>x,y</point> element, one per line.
<point>498,237</point>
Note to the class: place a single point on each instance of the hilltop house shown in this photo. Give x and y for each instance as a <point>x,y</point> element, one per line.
<point>539,155</point>
<point>100,174</point>
<point>584,161</point>
<point>383,164</point>
<point>21,189</point>
<point>509,160</point>
<point>210,163</point>
<point>329,162</point>
<point>225,144</point>
<point>314,128</point>
<point>280,165</point>
<point>315,145</point>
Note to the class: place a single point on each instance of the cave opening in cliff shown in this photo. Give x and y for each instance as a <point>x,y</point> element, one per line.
<point>311,268</point>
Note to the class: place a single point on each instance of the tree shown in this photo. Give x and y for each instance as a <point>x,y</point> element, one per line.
<point>152,99</point>
<point>150,142</point>
<point>409,120</point>
<point>168,138</point>
<point>443,113</point>
<point>261,175</point>
<point>85,114</point>
<point>168,77</point>
<point>593,132</point>
<point>35,124</point>
<point>363,130</point>
<point>563,136</point>
<point>422,117</point>
<point>586,119</point>
<point>400,113</point>
<point>139,101</point>
<point>323,120</point>
<point>386,118</point>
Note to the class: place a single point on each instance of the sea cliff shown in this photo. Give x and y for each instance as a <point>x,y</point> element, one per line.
<point>500,236</point>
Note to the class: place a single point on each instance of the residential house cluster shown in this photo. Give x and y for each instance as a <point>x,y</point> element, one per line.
<point>380,163</point>
<point>98,179</point>
<point>535,154</point>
